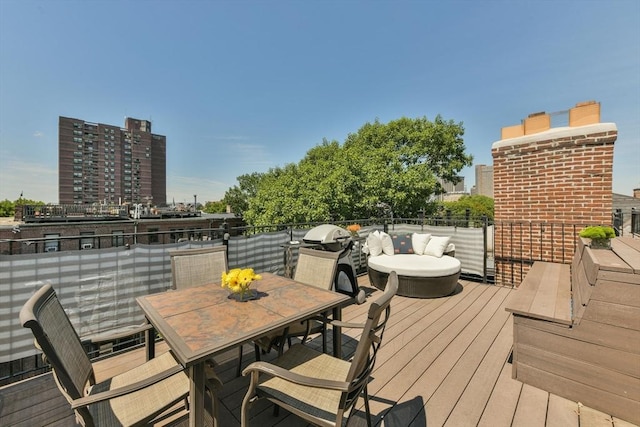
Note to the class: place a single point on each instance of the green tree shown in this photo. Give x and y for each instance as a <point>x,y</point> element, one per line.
<point>215,207</point>
<point>478,206</point>
<point>7,208</point>
<point>238,196</point>
<point>398,163</point>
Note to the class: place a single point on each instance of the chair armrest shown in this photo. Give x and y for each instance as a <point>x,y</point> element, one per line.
<point>117,392</point>
<point>118,334</point>
<point>346,324</point>
<point>276,371</point>
<point>339,323</point>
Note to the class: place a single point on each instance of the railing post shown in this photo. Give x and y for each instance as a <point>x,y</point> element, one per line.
<point>618,221</point>
<point>485,230</point>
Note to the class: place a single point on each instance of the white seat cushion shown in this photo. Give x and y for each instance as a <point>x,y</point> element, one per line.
<point>415,265</point>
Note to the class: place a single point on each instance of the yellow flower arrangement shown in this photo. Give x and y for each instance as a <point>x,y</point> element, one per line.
<point>238,280</point>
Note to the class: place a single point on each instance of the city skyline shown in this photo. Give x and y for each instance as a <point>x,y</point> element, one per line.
<point>244,87</point>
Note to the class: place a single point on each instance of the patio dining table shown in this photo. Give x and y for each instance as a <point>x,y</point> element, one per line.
<point>200,322</point>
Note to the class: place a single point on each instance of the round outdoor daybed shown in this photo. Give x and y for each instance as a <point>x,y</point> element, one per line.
<point>419,276</point>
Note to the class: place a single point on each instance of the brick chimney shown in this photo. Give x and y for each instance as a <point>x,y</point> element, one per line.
<point>554,175</point>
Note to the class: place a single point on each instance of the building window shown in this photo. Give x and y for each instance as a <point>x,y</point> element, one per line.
<point>118,238</point>
<point>51,244</point>
<point>153,235</point>
<point>176,235</point>
<point>87,242</point>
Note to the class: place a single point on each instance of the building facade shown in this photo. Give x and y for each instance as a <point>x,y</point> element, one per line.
<point>484,181</point>
<point>452,191</point>
<point>100,163</point>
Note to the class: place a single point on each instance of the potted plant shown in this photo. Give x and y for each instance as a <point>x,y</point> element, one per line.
<point>600,236</point>
<point>353,229</point>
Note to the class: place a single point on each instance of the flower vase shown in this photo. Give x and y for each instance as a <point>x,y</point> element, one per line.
<point>244,296</point>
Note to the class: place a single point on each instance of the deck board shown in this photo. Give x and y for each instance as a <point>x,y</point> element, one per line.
<point>443,361</point>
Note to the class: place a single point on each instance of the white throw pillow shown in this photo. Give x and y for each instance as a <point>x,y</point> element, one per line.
<point>374,243</point>
<point>436,246</point>
<point>387,243</point>
<point>419,242</point>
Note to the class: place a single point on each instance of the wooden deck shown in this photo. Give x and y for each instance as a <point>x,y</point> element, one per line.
<point>443,362</point>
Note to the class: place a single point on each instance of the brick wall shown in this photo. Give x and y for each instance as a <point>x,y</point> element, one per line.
<point>558,176</point>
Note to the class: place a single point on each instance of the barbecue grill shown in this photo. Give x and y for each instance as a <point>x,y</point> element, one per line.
<point>329,237</point>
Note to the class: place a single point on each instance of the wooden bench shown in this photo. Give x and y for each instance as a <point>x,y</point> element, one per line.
<point>577,328</point>
<point>545,293</point>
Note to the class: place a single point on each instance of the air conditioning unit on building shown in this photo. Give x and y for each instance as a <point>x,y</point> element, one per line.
<point>87,246</point>
<point>51,249</point>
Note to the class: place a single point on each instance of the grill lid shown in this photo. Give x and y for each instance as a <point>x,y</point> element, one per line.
<point>326,233</point>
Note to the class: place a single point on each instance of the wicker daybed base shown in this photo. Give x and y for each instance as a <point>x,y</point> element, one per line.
<point>417,287</point>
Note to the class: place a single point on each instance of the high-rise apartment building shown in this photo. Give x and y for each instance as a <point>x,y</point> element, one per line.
<point>101,163</point>
<point>484,181</point>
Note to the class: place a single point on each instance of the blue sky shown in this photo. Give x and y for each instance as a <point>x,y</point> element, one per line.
<point>244,86</point>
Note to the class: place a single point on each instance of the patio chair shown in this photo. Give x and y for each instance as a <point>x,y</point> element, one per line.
<point>195,267</point>
<point>320,388</point>
<point>316,268</point>
<point>140,396</point>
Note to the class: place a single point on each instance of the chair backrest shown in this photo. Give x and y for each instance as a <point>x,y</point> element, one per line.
<point>370,341</point>
<point>316,268</point>
<point>61,347</point>
<point>195,267</point>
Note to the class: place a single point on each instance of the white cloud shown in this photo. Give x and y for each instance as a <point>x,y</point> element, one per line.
<point>38,134</point>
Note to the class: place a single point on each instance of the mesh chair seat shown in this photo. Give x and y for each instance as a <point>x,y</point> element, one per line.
<point>138,407</point>
<point>318,402</point>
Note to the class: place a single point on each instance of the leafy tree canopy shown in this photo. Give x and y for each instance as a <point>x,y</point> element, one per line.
<point>398,163</point>
<point>239,195</point>
<point>478,206</point>
<point>8,208</point>
<point>215,207</point>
